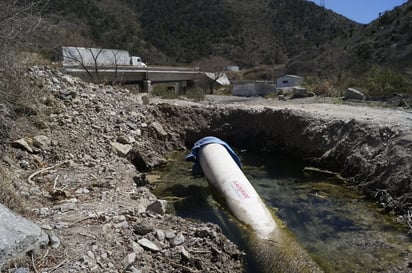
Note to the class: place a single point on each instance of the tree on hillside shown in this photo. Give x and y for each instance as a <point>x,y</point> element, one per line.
<point>92,60</point>
<point>214,69</point>
<point>17,18</point>
<point>79,56</point>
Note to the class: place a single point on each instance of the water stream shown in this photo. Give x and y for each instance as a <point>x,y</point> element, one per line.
<point>340,229</point>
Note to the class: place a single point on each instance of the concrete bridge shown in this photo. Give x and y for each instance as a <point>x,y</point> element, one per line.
<point>143,76</point>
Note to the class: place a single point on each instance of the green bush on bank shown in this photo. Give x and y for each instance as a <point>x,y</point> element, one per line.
<point>167,92</point>
<point>377,82</point>
<point>381,82</point>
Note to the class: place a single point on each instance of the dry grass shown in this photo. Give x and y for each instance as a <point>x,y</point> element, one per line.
<point>16,90</point>
<point>8,196</point>
<point>323,87</point>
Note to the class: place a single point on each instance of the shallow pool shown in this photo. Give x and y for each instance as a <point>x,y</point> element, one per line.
<point>341,230</point>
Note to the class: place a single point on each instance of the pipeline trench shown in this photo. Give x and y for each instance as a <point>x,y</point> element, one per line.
<point>358,224</point>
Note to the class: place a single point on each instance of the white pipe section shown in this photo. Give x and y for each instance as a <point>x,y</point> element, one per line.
<point>242,199</point>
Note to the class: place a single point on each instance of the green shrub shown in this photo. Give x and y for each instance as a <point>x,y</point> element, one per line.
<point>167,92</point>
<point>164,91</point>
<point>380,82</point>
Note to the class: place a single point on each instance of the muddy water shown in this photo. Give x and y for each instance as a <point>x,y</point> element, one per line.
<point>341,230</point>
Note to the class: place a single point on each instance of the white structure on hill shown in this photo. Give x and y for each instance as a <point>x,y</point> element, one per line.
<point>289,81</point>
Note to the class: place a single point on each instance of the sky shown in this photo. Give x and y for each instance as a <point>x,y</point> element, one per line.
<point>361,11</point>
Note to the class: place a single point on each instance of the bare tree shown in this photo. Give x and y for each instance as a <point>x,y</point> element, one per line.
<point>80,56</point>
<point>17,18</point>
<point>116,59</point>
<point>214,69</point>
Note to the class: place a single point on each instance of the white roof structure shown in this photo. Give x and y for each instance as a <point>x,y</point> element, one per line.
<point>221,78</point>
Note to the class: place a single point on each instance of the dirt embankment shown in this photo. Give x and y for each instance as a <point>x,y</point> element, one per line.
<point>78,166</point>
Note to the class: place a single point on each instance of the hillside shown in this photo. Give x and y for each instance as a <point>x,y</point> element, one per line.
<point>385,42</point>
<point>295,36</point>
<point>248,33</point>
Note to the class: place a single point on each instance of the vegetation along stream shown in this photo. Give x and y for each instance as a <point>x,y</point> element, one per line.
<point>340,229</point>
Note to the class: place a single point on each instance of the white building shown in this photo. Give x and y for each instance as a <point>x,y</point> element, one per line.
<point>289,81</point>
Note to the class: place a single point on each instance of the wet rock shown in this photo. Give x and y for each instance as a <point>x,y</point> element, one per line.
<point>159,207</point>
<point>353,94</point>
<point>145,159</point>
<point>18,235</point>
<point>142,181</point>
<point>147,244</point>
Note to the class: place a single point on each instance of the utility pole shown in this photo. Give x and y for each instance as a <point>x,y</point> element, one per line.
<point>322,3</point>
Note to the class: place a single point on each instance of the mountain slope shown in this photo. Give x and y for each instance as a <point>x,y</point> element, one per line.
<point>246,32</point>
<point>385,42</point>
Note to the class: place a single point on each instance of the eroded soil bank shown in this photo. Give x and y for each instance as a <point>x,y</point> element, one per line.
<point>74,164</point>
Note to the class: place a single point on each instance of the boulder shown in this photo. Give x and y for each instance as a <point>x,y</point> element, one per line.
<point>18,235</point>
<point>41,141</point>
<point>147,244</point>
<point>121,149</point>
<point>22,144</point>
<point>158,128</point>
<point>300,92</point>
<point>353,94</point>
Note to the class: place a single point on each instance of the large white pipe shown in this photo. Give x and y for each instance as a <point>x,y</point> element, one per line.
<point>274,248</point>
<point>240,196</point>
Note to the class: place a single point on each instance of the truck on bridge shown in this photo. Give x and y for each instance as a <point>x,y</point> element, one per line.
<point>99,57</point>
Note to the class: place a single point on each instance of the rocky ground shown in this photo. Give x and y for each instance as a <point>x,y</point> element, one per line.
<point>65,168</point>
<point>75,165</point>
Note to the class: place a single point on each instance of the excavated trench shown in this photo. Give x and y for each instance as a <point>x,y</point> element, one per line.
<point>375,158</point>
<point>372,158</point>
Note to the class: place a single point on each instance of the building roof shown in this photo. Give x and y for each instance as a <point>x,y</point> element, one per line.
<point>291,76</point>
<point>220,79</point>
